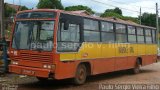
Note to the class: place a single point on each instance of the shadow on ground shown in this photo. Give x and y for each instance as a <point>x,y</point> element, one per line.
<point>64,84</point>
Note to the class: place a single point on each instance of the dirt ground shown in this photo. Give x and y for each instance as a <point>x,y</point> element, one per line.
<point>148,79</point>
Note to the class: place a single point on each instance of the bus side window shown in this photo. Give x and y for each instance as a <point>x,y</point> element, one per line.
<point>132,34</point>
<point>140,35</point>
<point>107,32</point>
<point>121,36</point>
<point>148,35</point>
<point>91,31</point>
<point>69,40</point>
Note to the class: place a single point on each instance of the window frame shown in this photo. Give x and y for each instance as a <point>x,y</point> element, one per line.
<point>125,33</point>
<point>67,30</point>
<point>154,41</point>
<point>107,32</point>
<point>74,42</point>
<point>72,20</point>
<point>148,34</point>
<point>140,35</point>
<point>98,31</point>
<point>135,34</point>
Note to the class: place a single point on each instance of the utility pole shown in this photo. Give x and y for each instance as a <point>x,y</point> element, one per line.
<point>140,18</point>
<point>2,16</point>
<point>157,23</point>
<point>20,2</point>
<point>3,41</point>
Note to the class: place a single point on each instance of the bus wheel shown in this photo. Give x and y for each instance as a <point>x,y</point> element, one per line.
<point>136,69</point>
<point>81,75</point>
<point>42,79</point>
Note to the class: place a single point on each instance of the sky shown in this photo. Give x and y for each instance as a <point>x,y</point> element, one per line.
<point>129,7</point>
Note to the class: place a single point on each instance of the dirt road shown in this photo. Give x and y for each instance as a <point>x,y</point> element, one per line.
<point>150,75</point>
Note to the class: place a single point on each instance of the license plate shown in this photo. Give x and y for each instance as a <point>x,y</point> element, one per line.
<point>28,72</point>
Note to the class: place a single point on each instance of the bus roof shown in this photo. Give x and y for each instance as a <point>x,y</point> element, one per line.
<point>109,19</point>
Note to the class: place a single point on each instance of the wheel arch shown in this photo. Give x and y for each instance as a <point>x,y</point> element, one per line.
<point>88,67</point>
<point>139,59</point>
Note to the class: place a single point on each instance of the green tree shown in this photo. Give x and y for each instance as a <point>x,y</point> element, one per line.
<point>116,10</point>
<point>117,13</point>
<point>23,8</point>
<point>133,19</point>
<point>50,4</point>
<point>9,11</point>
<point>149,19</point>
<point>79,7</point>
<point>111,14</point>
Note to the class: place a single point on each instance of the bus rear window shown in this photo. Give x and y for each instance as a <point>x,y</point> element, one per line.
<point>36,15</point>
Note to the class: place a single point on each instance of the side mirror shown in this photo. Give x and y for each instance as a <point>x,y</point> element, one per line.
<point>66,25</point>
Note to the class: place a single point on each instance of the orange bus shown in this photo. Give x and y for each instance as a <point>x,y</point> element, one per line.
<point>56,44</point>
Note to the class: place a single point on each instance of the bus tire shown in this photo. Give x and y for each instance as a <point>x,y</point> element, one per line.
<point>42,79</point>
<point>80,75</point>
<point>136,69</point>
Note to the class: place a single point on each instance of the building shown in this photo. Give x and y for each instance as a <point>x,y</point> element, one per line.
<point>13,6</point>
<point>81,12</point>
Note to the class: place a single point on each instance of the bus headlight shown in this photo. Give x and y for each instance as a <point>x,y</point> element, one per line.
<point>7,52</point>
<point>14,62</point>
<point>44,66</point>
<point>48,66</point>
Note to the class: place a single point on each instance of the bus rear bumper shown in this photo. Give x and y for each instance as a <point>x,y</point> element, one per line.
<point>22,70</point>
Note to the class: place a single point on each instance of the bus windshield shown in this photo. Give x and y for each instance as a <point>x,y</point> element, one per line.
<point>33,35</point>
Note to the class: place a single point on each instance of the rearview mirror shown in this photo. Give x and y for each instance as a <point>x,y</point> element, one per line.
<point>66,25</point>
<point>12,19</point>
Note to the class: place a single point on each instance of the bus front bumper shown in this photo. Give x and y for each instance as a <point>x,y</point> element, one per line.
<point>37,72</point>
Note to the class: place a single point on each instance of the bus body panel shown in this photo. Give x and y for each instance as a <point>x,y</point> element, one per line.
<point>99,66</point>
<point>110,59</point>
<point>105,51</point>
<point>30,71</point>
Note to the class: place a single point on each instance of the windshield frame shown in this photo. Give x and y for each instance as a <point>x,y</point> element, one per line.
<point>19,15</point>
<point>19,20</point>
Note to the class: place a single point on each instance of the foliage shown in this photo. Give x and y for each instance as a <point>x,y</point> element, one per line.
<point>50,4</point>
<point>117,13</point>
<point>23,8</point>
<point>9,11</point>
<point>116,10</point>
<point>136,20</point>
<point>79,7</point>
<point>111,14</point>
<point>149,19</point>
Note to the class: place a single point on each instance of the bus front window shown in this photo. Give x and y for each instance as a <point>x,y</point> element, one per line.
<point>33,35</point>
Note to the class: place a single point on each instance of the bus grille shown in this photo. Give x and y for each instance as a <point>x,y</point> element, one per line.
<point>36,57</point>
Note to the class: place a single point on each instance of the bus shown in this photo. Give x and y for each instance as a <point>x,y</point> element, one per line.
<point>56,44</point>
